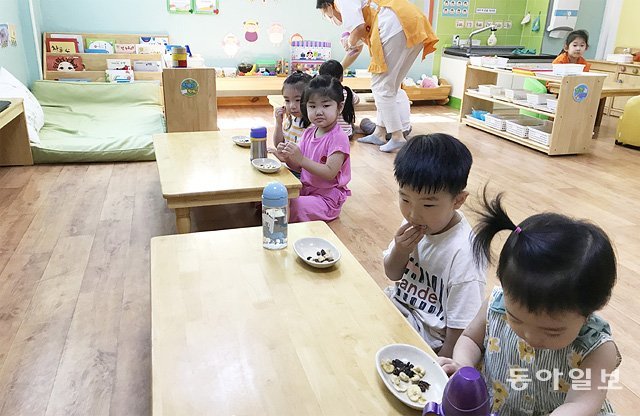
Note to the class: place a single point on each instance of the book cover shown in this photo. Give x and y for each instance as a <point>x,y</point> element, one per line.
<point>123,64</point>
<point>154,40</point>
<point>106,44</point>
<point>125,48</point>
<point>146,48</point>
<point>64,63</point>
<point>147,66</point>
<point>118,75</point>
<point>78,38</point>
<point>62,45</point>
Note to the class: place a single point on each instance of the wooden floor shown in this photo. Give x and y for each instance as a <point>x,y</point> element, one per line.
<point>74,258</point>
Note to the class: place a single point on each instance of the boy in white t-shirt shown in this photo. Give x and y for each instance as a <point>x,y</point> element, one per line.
<point>439,288</point>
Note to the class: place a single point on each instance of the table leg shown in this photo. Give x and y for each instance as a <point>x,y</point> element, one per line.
<point>596,127</point>
<point>183,220</point>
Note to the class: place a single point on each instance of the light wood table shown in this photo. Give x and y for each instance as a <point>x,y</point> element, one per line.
<point>263,86</point>
<point>15,148</point>
<point>206,168</point>
<point>240,330</point>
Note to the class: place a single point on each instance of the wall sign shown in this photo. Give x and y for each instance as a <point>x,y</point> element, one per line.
<point>485,10</point>
<point>189,87</point>
<point>580,93</point>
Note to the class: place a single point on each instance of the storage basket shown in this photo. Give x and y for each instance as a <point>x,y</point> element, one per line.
<point>497,121</point>
<point>490,90</point>
<point>520,127</point>
<point>515,94</point>
<point>567,69</point>
<point>541,134</point>
<point>534,99</point>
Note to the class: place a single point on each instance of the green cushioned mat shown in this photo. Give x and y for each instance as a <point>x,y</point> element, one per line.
<point>98,122</point>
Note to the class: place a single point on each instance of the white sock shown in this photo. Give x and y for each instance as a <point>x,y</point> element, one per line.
<point>392,145</point>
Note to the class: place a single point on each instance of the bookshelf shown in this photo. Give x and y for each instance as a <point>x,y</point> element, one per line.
<point>96,63</point>
<point>573,121</point>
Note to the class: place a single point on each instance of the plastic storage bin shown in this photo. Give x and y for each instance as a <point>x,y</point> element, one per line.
<point>515,94</point>
<point>520,127</point>
<point>491,90</point>
<point>552,104</point>
<point>498,121</point>
<point>567,69</point>
<point>541,134</point>
<point>537,99</point>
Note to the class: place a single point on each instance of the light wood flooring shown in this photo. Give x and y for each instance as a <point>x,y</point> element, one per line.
<point>74,256</point>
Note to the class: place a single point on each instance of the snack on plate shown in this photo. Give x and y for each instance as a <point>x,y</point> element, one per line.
<point>322,256</point>
<point>406,377</point>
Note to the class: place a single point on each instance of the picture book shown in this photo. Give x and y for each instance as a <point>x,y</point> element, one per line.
<point>106,44</point>
<point>125,48</point>
<point>147,66</point>
<point>119,75</point>
<point>78,38</point>
<point>64,63</point>
<point>154,40</point>
<point>124,64</point>
<point>146,48</point>
<point>62,45</point>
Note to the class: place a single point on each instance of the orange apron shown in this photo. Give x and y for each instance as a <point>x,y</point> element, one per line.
<point>414,23</point>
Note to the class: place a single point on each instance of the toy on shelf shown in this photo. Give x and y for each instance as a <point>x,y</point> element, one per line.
<point>308,55</point>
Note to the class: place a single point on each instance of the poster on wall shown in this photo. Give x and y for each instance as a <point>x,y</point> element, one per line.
<point>4,35</point>
<point>179,6</point>
<point>13,35</point>
<point>276,33</point>
<point>455,8</point>
<point>230,45</point>
<point>250,30</point>
<point>206,7</point>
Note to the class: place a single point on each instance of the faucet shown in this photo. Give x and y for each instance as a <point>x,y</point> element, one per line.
<point>493,28</point>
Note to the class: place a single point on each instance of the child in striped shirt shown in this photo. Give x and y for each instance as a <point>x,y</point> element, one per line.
<point>290,122</point>
<point>334,69</point>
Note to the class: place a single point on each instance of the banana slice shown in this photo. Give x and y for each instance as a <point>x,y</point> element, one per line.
<point>414,393</point>
<point>401,387</point>
<point>395,379</point>
<point>416,377</point>
<point>404,377</point>
<point>422,400</point>
<point>387,366</point>
<point>419,370</point>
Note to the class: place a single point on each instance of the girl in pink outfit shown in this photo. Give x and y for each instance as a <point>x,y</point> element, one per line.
<point>322,156</point>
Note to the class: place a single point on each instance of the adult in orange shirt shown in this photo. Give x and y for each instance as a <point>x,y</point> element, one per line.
<point>396,31</point>
<point>575,46</point>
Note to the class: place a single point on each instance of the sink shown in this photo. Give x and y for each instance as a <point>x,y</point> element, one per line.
<point>501,51</point>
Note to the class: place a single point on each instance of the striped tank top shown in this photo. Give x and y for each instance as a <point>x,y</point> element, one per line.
<point>527,381</point>
<point>292,129</point>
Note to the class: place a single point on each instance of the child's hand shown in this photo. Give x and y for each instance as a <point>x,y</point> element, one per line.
<point>279,114</point>
<point>292,153</point>
<point>279,152</point>
<point>408,236</point>
<point>448,365</point>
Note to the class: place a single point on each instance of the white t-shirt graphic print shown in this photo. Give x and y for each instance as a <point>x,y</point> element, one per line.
<point>441,286</point>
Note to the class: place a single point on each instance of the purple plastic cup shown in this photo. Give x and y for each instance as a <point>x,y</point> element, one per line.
<point>464,395</point>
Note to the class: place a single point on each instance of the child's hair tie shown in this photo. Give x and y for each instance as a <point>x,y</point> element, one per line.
<point>517,230</point>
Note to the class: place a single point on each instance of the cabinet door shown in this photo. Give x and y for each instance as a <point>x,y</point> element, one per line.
<point>611,77</point>
<point>628,80</point>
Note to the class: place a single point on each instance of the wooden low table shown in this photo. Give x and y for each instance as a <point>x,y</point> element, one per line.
<point>15,148</point>
<point>240,330</point>
<point>253,90</point>
<point>366,102</point>
<point>206,168</point>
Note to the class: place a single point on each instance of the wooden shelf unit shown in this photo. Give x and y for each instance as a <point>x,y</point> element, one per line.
<point>15,149</point>
<point>573,121</point>
<point>96,63</point>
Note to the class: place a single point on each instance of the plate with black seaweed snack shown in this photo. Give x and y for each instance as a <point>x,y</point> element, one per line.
<point>411,374</point>
<point>317,252</point>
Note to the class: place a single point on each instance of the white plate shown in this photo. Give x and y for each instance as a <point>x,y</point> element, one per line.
<point>242,141</point>
<point>266,165</point>
<point>310,246</point>
<point>434,374</point>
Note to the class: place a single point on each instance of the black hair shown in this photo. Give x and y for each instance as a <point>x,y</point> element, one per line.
<point>321,4</point>
<point>433,162</point>
<point>334,69</point>
<point>324,86</point>
<point>580,33</point>
<point>550,262</point>
<point>299,80</point>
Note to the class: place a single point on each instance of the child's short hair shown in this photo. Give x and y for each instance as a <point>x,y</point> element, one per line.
<point>550,262</point>
<point>433,162</point>
<point>580,33</point>
<point>298,80</point>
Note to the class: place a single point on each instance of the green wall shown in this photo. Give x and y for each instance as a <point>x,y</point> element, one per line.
<point>506,11</point>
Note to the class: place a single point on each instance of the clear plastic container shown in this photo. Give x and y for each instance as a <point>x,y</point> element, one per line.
<point>275,216</point>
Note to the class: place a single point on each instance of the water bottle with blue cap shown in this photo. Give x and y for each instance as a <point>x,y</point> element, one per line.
<point>275,216</point>
<point>258,138</point>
